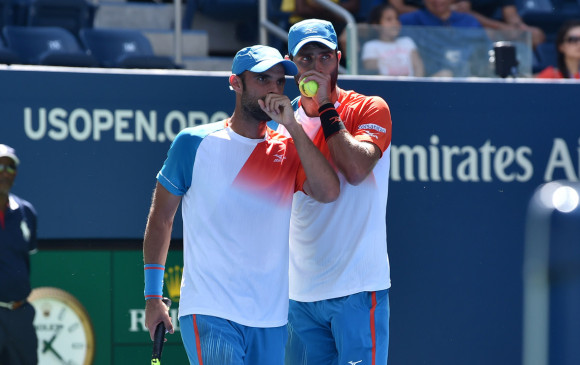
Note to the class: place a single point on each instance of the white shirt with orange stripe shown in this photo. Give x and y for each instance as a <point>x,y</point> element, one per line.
<point>237,198</point>
<point>340,248</point>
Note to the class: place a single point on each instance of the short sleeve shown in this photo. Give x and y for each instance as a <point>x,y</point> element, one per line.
<point>375,123</point>
<point>176,173</point>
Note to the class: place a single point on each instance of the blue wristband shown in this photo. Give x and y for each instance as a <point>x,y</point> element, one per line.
<point>154,281</point>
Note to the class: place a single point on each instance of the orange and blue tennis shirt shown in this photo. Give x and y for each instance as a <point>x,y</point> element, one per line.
<point>236,204</point>
<point>340,248</point>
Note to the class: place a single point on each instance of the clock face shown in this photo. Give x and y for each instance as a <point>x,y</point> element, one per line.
<point>64,330</point>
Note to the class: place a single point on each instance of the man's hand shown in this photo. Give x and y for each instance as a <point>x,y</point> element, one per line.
<point>155,312</point>
<point>279,108</point>
<point>324,93</point>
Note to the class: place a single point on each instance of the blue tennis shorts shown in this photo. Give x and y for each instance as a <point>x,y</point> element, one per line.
<point>346,330</point>
<point>216,341</point>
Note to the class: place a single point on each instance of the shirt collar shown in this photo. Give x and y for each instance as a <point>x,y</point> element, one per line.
<point>12,203</point>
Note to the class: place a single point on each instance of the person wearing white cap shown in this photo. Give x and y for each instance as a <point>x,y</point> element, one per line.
<point>235,180</point>
<point>18,341</point>
<point>339,266</point>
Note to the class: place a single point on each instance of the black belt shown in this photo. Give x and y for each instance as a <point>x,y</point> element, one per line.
<point>13,305</point>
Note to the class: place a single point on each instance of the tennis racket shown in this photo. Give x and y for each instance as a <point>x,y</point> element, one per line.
<point>159,338</point>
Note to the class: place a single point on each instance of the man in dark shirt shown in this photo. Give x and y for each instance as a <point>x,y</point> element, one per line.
<point>18,341</point>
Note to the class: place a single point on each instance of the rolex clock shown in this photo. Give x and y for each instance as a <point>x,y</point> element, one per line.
<point>63,327</point>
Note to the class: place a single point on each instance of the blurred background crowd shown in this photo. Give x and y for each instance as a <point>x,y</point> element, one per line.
<point>424,38</point>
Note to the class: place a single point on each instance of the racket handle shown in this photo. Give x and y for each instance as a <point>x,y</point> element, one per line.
<point>159,338</point>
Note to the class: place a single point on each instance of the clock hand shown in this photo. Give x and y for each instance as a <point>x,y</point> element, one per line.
<point>53,351</point>
<point>48,344</point>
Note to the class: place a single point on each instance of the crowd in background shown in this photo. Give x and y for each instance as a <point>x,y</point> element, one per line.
<point>391,47</point>
<point>422,38</point>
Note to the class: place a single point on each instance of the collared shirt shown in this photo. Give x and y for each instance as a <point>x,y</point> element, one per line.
<point>17,242</point>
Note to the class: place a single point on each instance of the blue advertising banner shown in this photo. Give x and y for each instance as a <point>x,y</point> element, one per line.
<point>466,157</point>
<point>91,144</point>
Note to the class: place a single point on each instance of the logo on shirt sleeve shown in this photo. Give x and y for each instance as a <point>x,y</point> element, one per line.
<point>372,135</point>
<point>372,130</point>
<point>374,127</point>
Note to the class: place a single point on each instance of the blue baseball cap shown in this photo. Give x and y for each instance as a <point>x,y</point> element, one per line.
<point>259,59</point>
<point>311,30</point>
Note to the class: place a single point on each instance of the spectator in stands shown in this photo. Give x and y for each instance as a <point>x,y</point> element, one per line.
<point>447,52</point>
<point>568,48</point>
<point>439,13</point>
<point>390,54</point>
<point>499,15</point>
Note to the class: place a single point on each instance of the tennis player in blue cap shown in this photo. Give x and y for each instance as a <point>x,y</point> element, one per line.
<point>339,266</point>
<point>235,180</point>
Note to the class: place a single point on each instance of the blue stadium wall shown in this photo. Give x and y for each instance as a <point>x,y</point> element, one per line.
<point>466,158</point>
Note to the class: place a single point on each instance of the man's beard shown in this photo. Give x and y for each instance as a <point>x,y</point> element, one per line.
<point>334,78</point>
<point>252,108</point>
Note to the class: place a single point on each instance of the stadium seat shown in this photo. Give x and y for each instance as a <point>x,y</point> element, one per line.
<point>52,46</point>
<point>231,10</point>
<point>72,15</point>
<point>123,48</point>
<point>5,12</point>
<point>549,15</point>
<point>567,7</point>
<point>13,12</point>
<point>7,56</point>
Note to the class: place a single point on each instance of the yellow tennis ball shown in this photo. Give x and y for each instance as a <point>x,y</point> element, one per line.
<point>309,88</point>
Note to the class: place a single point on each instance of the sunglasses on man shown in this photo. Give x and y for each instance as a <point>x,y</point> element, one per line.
<point>573,39</point>
<point>11,169</point>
